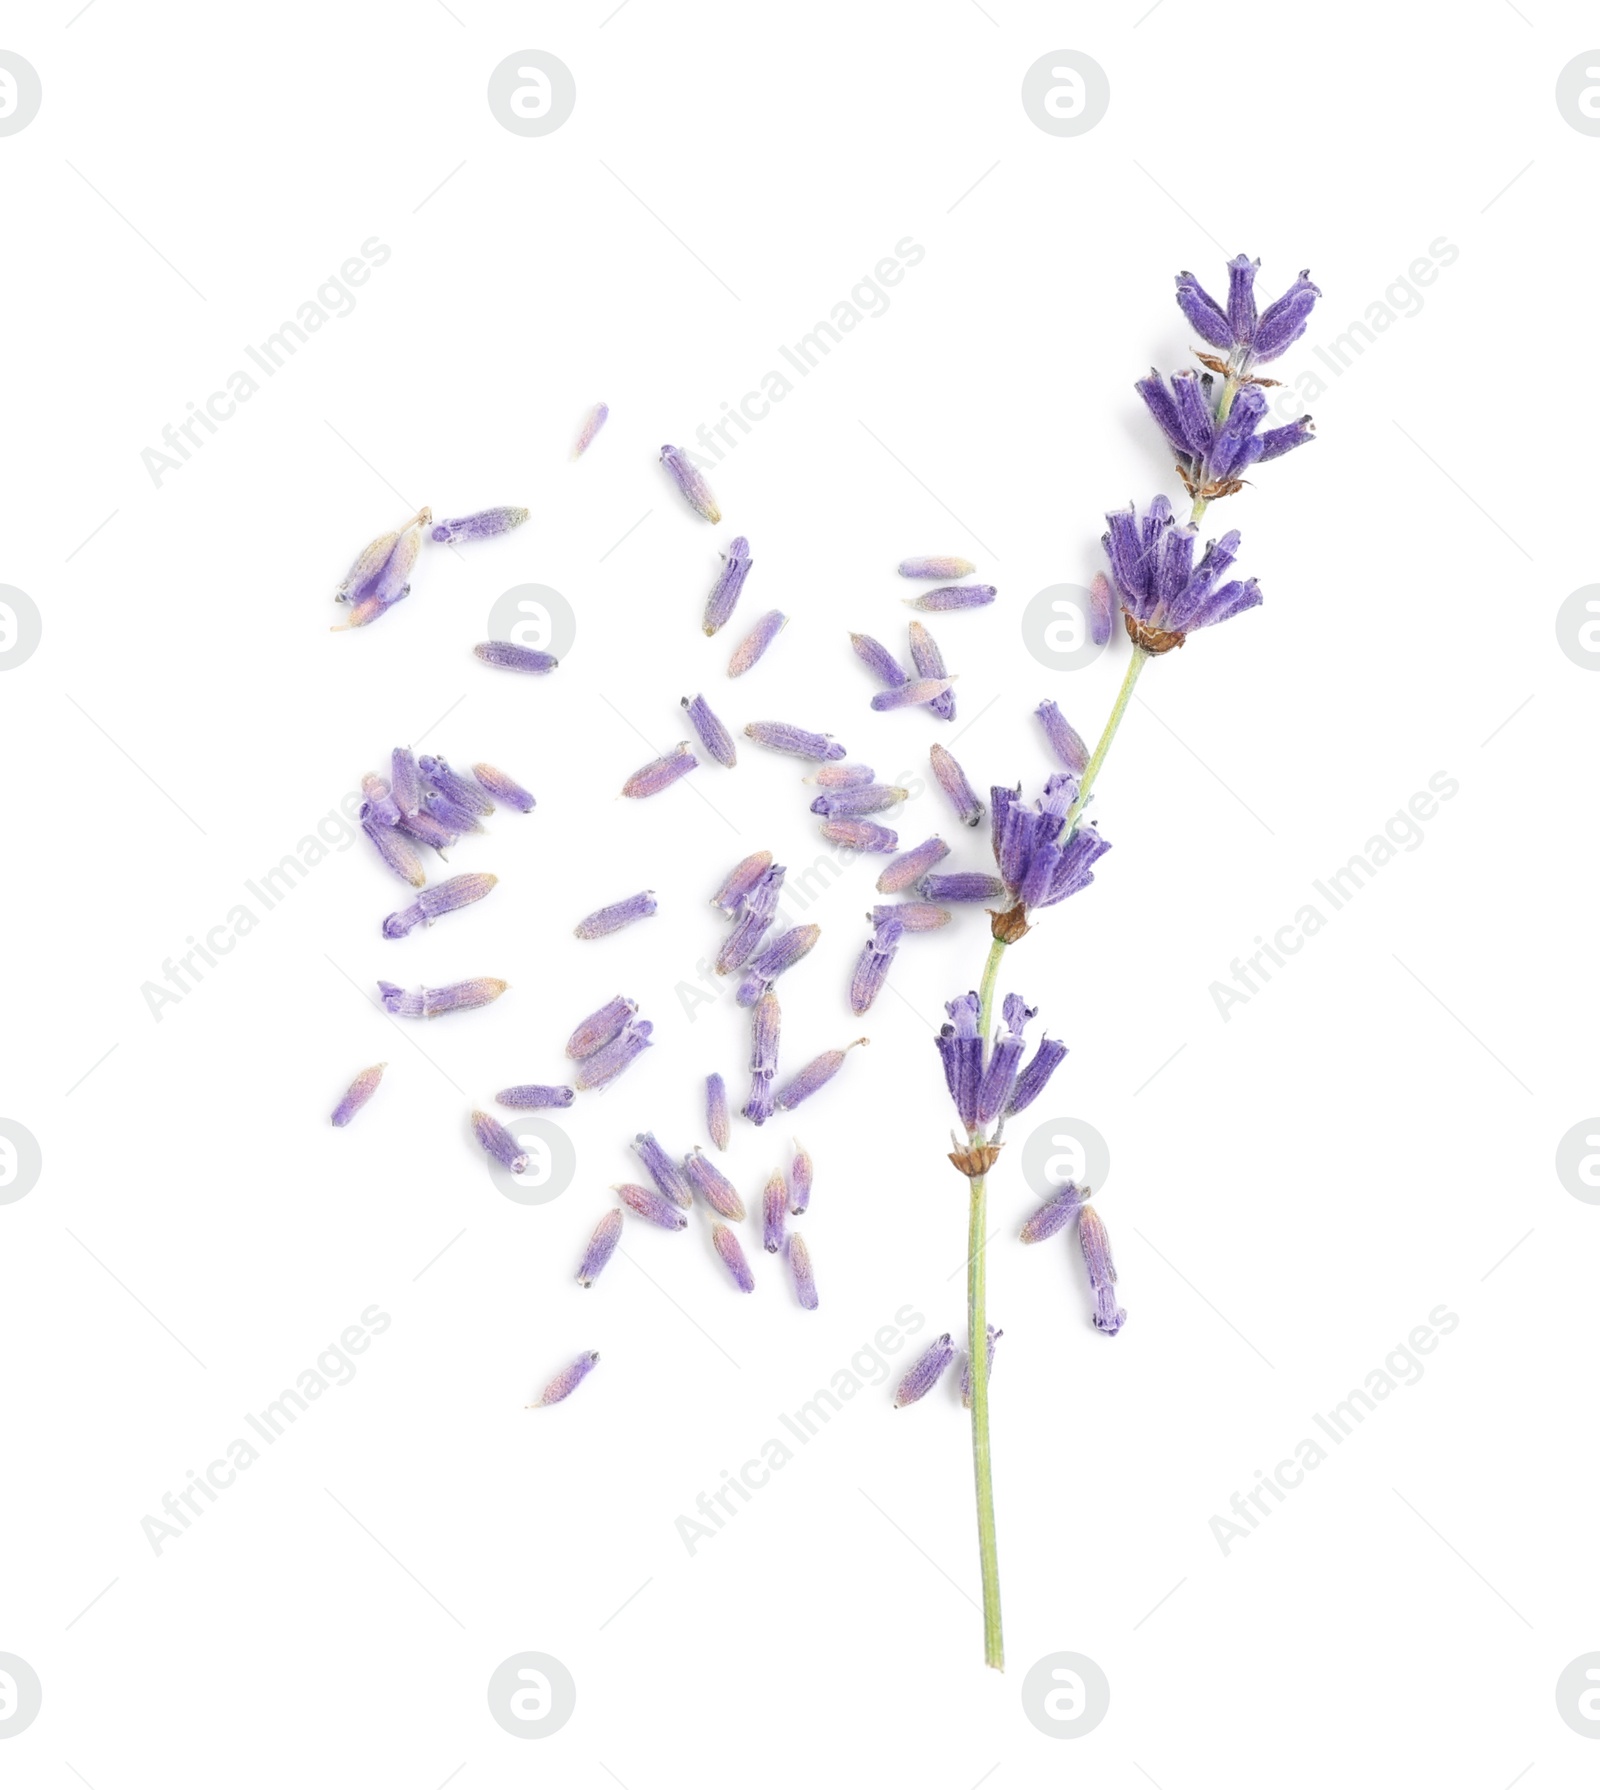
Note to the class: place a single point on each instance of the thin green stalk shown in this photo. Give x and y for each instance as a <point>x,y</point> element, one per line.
<point>978,1358</point>
<point>1113,721</point>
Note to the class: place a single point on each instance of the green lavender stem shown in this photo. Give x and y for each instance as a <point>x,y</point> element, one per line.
<point>994,1653</point>
<point>1107,734</point>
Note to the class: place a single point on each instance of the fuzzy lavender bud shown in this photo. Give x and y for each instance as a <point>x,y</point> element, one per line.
<point>443,898</point>
<point>717,1124</point>
<point>593,423</point>
<point>1108,1316</point>
<point>961,885</point>
<point>497,783</point>
<point>860,835</point>
<point>1064,739</point>
<point>534,1097</point>
<point>358,1094</point>
<point>872,967</point>
<point>769,964</point>
<point>568,1380</point>
<point>756,642</point>
<point>952,596</point>
<point>1055,1214</point>
<point>850,804</point>
<point>606,920</point>
<point>781,736</point>
<point>802,1171</point>
<point>741,880</point>
<point>728,1249</point>
<point>499,1142</point>
<point>601,1026</point>
<point>607,1063</point>
<point>602,1246</point>
<point>661,773</point>
<point>914,916</point>
<point>736,563</point>
<point>926,1371</point>
<point>713,735</point>
<point>805,1280</point>
<point>506,655</point>
<point>816,1074</point>
<point>714,1187</point>
<point>653,1207</point>
<point>877,658</point>
<point>691,482</point>
<point>661,1168</point>
<point>905,869</point>
<point>942,567</point>
<point>774,1205</point>
<point>429,1003</point>
<point>398,857</point>
<point>953,781</point>
<point>481,526</point>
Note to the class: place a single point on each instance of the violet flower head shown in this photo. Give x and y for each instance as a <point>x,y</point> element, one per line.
<point>442,898</point>
<point>1055,1214</point>
<point>602,1246</point>
<point>654,1208</point>
<point>1034,1075</point>
<point>1164,593</point>
<point>691,482</point>
<point>736,563</point>
<point>499,1142</point>
<point>429,1003</point>
<point>872,967</point>
<point>780,736</point>
<point>714,736</point>
<point>1004,1060</point>
<point>802,1172</point>
<point>774,1209</point>
<point>877,658</point>
<point>1214,452</point>
<point>1040,863</point>
<point>731,1254</point>
<point>1108,1315</point>
<point>922,692</point>
<point>380,570</point>
<point>481,525</point>
<point>960,1047</point>
<point>714,1187</point>
<point>816,1074</point>
<point>1237,329</point>
<point>926,1371</point>
<point>952,596</point>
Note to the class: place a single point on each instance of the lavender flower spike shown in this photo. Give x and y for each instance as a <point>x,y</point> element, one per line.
<point>801,1173</point>
<point>774,1204</point>
<point>691,482</point>
<point>914,916</point>
<point>877,658</point>
<point>499,784</point>
<point>816,1074</point>
<point>929,661</point>
<point>499,1142</point>
<point>756,642</point>
<point>872,967</point>
<point>861,835</point>
<point>593,423</point>
<point>358,1094</point>
<point>741,880</point>
<point>728,1248</point>
<point>442,898</point>
<point>568,1380</point>
<point>661,773</point>
<point>848,804</point>
<point>781,737</point>
<point>1064,739</point>
<point>602,1246</point>
<point>736,563</point>
<point>480,526</point>
<point>953,781</point>
<point>607,1063</point>
<point>714,1187</point>
<point>782,954</point>
<point>952,596</point>
<point>805,1280</point>
<point>534,1097</point>
<point>398,857</point>
<point>717,1111</point>
<point>1057,1212</point>
<point>600,1027</point>
<point>653,1207</point>
<point>966,1365</point>
<point>961,885</point>
<point>919,692</point>
<point>904,870</point>
<point>429,1003</point>
<point>606,920</point>
<point>926,1371</point>
<point>936,567</point>
<point>842,776</point>
<point>668,1177</point>
<point>509,657</point>
<point>713,735</point>
<point>1108,1315</point>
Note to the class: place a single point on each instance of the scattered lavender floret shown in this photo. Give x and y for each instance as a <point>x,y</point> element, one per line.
<point>768,965</point>
<point>1057,1212</point>
<point>450,815</point>
<point>765,1023</point>
<point>929,661</point>
<point>873,965</point>
<point>842,776</point>
<point>919,693</point>
<point>606,920</point>
<point>369,563</point>
<point>481,525</point>
<point>602,1246</point>
<point>600,1027</point>
<point>877,658</point>
<point>691,482</point>
<point>499,1142</point>
<point>936,566</point>
<point>782,737</point>
<point>846,804</point>
<point>405,781</point>
<point>714,736</point>
<point>510,657</point>
<point>774,1204</point>
<point>741,880</point>
<point>801,1173</point>
<point>398,857</point>
<point>714,1187</point>
<point>914,916</point>
<point>593,423</point>
<point>736,563</point>
<point>754,916</point>
<point>863,835</point>
<point>661,773</point>
<point>427,829</point>
<point>369,609</point>
<point>1096,1245</point>
<point>668,1177</point>
<point>903,871</point>
<point>609,1061</point>
<point>816,1074</point>
<point>442,898</point>
<point>1065,741</point>
<point>380,805</point>
<point>438,775</point>
<point>756,642</point>
<point>805,1280</point>
<point>731,1252</point>
<point>953,781</point>
<point>534,1097</point>
<point>507,789</point>
<point>1102,608</point>
<point>568,1380</point>
<point>926,1371</point>
<point>717,1123</point>
<point>653,1207</point>
<point>961,885</point>
<point>966,1366</point>
<point>952,596</point>
<point>358,1094</point>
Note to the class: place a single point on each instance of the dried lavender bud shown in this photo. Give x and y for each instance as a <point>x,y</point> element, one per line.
<point>661,773</point>
<point>873,965</point>
<point>1063,737</point>
<point>442,898</point>
<point>1102,608</point>
<point>904,870</point>
<point>438,775</point>
<point>668,1177</point>
<point>774,1203</point>
<point>380,805</point>
<point>606,920</point>
<point>607,1063</point>
<point>448,814</point>
<point>427,829</point>
<point>864,835</point>
<point>499,784</point>
<point>877,658</point>
<point>1096,1245</point>
<point>1057,1211</point>
<point>369,609</point>
<point>926,1371</point>
<point>717,1111</point>
<point>845,804</point>
<point>601,1026</point>
<point>953,781</point>
<point>816,1074</point>
<point>499,1142</point>
<point>568,1380</point>
<point>841,776</point>
<point>929,661</point>
<point>691,482</point>
<point>398,857</point>
<point>713,735</point>
<point>533,1097</point>
<point>366,566</point>
<point>405,781</point>
<point>765,1025</point>
<point>480,526</point>
<point>602,1246</point>
<point>920,691</point>
<point>1031,1079</point>
<point>953,596</point>
<point>966,1366</point>
<point>762,1104</point>
<point>1005,1054</point>
<point>782,954</point>
<point>961,885</point>
<point>358,1094</point>
<point>914,916</point>
<point>714,1187</point>
<point>741,880</point>
<point>756,642</point>
<point>938,566</point>
<point>593,423</point>
<point>781,737</point>
<point>727,1246</point>
<point>801,1171</point>
<point>736,563</point>
<point>653,1207</point>
<point>509,657</point>
<point>805,1280</point>
<point>381,567</point>
<point>754,917</point>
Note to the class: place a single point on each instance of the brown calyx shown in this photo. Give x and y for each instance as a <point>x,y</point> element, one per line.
<point>1153,641</point>
<point>1218,365</point>
<point>976,1159</point>
<point>1009,926</point>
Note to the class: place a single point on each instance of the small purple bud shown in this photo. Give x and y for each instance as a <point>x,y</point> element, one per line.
<point>380,805</point>
<point>774,1204</point>
<point>966,1366</point>
<point>509,657</point>
<point>741,880</point>
<point>499,784</point>
<point>607,1063</point>
<point>398,857</point>
<point>727,1247</point>
<point>369,609</point>
<point>816,1074</point>
<point>801,1172</point>
<point>442,898</point>
<point>714,1187</point>
<point>736,563</point>
<point>601,1027</point>
<point>863,835</point>
<point>1033,1076</point>
<point>1064,739</point>
<point>606,920</point>
<point>904,870</point>
<point>872,967</point>
<point>427,829</point>
<point>1057,1211</point>
<point>358,1094</point>
<point>761,1105</point>
<point>1108,1315</point>
<point>756,642</point>
<point>877,658</point>
<point>1102,608</point>
<point>653,1207</point>
<point>568,1380</point>
<point>438,775</point>
<point>841,776</point>
<point>961,885</point>
<point>691,482</point>
<point>405,782</point>
<point>713,735</point>
<point>717,1123</point>
<point>765,1024</point>
<point>499,1142</point>
<point>926,1371</point>
<point>781,737</point>
<point>359,581</point>
<point>938,566</point>
<point>602,1246</point>
<point>953,781</point>
<point>914,916</point>
<point>953,596</point>
<point>920,691</point>
<point>450,815</point>
<point>593,423</point>
<point>534,1097</point>
<point>845,804</point>
<point>429,1003</point>
<point>661,1168</point>
<point>805,1280</point>
<point>754,917</point>
<point>661,773</point>
<point>480,526</point>
<point>929,661</point>
<point>782,954</point>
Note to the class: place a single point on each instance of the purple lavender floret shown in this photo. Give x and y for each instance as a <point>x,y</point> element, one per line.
<point>1065,741</point>
<point>450,815</point>
<point>380,805</point>
<point>905,869</point>
<point>405,781</point>
<point>506,788</point>
<point>510,657</point>
<point>752,918</point>
<point>428,830</point>
<point>841,776</point>
<point>741,880</point>
<point>802,1172</point>
<point>952,596</point>
<point>1096,1245</point>
<point>593,423</point>
<point>765,1024</point>
<point>1238,330</point>
<point>717,1122</point>
<point>736,563</point>
<point>780,736</point>
<point>816,1074</point>
<point>398,857</point>
<point>669,1178</point>
<point>966,1366</point>
<point>437,774</point>
<point>772,960</point>
<point>728,1247</point>
<point>442,898</point>
<point>691,482</point>
<point>846,804</point>
<point>479,526</point>
<point>1031,1079</point>
<point>713,735</point>
<point>929,661</point>
<point>606,920</point>
<point>774,1209</point>
<point>914,916</point>
<point>922,692</point>
<point>1215,455</point>
<point>713,1186</point>
<point>756,642</point>
<point>872,967</point>
<point>534,1097</point>
<point>877,658</point>
<point>926,1371</point>
<point>1005,1057</point>
<point>429,1003</point>
<point>1055,1214</point>
<point>860,835</point>
<point>661,773</point>
<point>607,1063</point>
<point>805,1280</point>
<point>1035,865</point>
<point>960,1047</point>
<point>960,885</point>
<point>499,1142</point>
<point>600,1027</point>
<point>953,781</point>
<point>602,1246</point>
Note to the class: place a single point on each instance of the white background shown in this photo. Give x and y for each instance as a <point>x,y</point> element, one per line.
<point>1290,1194</point>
